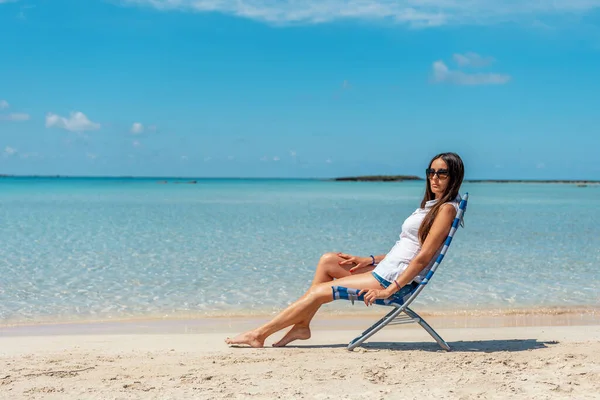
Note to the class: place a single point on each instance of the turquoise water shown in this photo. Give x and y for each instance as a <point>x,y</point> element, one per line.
<point>85,248</point>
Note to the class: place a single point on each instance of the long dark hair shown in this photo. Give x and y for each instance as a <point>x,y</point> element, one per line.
<point>456,172</point>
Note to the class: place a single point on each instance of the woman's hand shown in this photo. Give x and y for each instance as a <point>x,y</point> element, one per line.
<point>358,262</point>
<point>373,294</point>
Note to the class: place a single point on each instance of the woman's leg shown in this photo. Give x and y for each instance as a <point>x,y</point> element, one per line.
<point>328,269</point>
<point>303,308</point>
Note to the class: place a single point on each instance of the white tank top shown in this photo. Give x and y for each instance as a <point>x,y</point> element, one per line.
<point>405,249</point>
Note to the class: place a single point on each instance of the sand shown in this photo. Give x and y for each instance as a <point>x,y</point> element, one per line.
<point>558,362</point>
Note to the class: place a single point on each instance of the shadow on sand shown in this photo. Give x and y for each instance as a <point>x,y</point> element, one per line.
<point>478,346</point>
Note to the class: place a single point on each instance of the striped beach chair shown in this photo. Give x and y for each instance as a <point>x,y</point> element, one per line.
<point>402,314</point>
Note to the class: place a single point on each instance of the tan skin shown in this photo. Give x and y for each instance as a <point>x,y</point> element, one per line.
<point>351,272</point>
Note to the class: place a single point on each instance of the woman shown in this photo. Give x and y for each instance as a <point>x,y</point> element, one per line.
<point>379,277</point>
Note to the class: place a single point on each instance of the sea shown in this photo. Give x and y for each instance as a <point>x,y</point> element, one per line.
<point>99,249</point>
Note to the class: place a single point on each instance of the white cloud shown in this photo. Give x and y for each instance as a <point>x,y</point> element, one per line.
<point>137,128</point>
<point>12,116</point>
<point>274,158</point>
<point>328,161</point>
<point>9,151</point>
<point>15,117</point>
<point>77,122</point>
<point>31,155</point>
<point>441,73</point>
<point>91,156</point>
<point>293,153</point>
<point>136,143</point>
<point>472,60</point>
<point>421,13</point>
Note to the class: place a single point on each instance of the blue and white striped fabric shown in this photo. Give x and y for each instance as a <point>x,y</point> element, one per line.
<point>402,296</point>
<point>398,299</point>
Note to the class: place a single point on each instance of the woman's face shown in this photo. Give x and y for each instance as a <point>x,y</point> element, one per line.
<point>438,177</point>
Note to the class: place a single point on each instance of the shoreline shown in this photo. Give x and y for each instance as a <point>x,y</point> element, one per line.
<point>322,321</point>
<point>340,309</point>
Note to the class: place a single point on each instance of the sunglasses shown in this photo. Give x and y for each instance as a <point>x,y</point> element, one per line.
<point>441,173</point>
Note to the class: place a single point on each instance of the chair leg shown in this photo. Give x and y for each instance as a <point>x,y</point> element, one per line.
<point>429,329</point>
<point>373,329</point>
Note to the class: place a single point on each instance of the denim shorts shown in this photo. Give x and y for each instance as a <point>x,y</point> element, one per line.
<point>402,292</point>
<point>383,282</point>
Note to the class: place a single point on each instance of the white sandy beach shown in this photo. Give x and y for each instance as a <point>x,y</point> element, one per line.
<point>557,362</point>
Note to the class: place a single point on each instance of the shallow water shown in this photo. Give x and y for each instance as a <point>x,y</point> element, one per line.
<point>116,248</point>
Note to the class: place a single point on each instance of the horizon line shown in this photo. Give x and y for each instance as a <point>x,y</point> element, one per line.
<point>471,180</point>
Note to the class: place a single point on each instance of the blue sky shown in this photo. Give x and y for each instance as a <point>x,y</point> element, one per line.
<point>263,88</point>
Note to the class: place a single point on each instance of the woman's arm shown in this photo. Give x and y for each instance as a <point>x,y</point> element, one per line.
<point>379,258</point>
<point>437,234</point>
<point>359,262</point>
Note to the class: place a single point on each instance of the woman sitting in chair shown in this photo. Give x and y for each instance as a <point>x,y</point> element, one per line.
<point>378,277</point>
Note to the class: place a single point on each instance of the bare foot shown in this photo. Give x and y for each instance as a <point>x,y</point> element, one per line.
<point>296,333</point>
<point>250,338</point>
